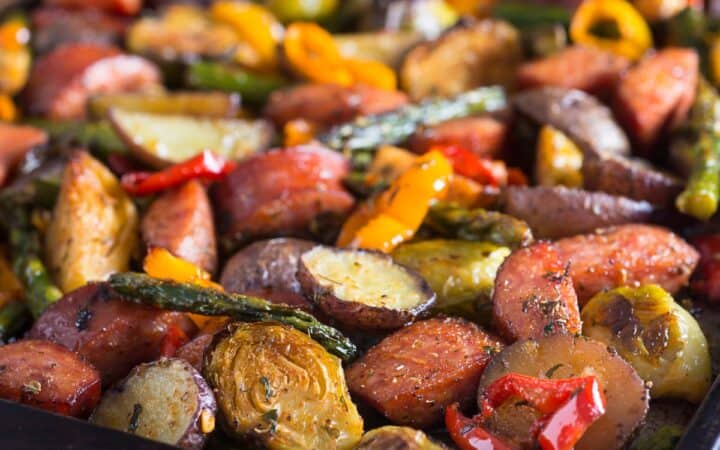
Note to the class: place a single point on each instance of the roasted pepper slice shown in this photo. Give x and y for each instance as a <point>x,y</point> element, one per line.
<point>371,73</point>
<point>313,54</point>
<point>298,132</point>
<point>468,434</point>
<point>559,160</point>
<point>634,33</point>
<point>468,164</point>
<point>15,55</point>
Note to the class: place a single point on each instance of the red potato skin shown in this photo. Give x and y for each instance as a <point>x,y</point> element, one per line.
<point>484,136</point>
<point>591,70</point>
<point>627,255</point>
<point>112,334</point>
<point>657,94</point>
<point>181,221</point>
<point>127,7</point>
<point>413,374</point>
<point>64,383</point>
<point>281,192</point>
<point>15,142</point>
<point>534,295</point>
<point>330,104</point>
<point>61,81</point>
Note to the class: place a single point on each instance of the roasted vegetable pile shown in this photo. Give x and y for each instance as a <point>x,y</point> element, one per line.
<point>362,224</point>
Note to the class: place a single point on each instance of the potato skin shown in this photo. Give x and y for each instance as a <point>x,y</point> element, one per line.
<point>556,212</point>
<point>257,368</point>
<point>483,136</point>
<point>297,185</point>
<point>534,295</point>
<point>268,269</point>
<point>181,221</point>
<point>398,438</point>
<point>112,334</point>
<point>413,374</point>
<point>61,81</point>
<point>627,255</point>
<point>329,104</point>
<point>568,356</point>
<point>47,376</point>
<point>93,231</point>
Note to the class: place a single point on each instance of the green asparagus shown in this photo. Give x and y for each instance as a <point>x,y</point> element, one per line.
<point>13,318</point>
<point>98,136</point>
<point>187,297</point>
<point>455,222</point>
<point>369,132</point>
<point>253,88</point>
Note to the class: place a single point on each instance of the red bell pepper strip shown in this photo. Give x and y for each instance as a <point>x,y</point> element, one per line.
<point>706,281</point>
<point>173,339</point>
<point>468,164</point>
<point>468,434</point>
<point>206,165</point>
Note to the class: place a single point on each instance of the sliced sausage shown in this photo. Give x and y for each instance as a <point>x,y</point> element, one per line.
<point>181,221</point>
<point>48,376</point>
<point>61,81</point>
<point>112,334</point>
<point>15,142</point>
<point>53,27</point>
<point>585,68</point>
<point>281,192</point>
<point>534,295</point>
<point>127,7</point>
<point>413,374</point>
<point>330,104</point>
<point>627,255</point>
<point>577,114</point>
<point>484,136</point>
<point>657,94</point>
<point>555,212</point>
<point>267,269</point>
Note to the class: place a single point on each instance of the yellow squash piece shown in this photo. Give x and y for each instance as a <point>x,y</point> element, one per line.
<point>559,160</point>
<point>634,37</point>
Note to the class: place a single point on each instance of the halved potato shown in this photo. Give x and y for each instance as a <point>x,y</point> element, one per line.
<point>203,104</point>
<point>564,356</point>
<point>278,388</point>
<point>394,437</point>
<point>363,289</point>
<point>161,140</point>
<point>165,400</point>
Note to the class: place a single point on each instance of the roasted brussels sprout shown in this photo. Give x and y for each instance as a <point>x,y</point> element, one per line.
<point>656,335</point>
<point>93,231</point>
<point>461,273</point>
<point>394,437</point>
<point>278,388</point>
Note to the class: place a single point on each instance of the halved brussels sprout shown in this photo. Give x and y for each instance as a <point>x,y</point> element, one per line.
<point>278,388</point>
<point>657,336</point>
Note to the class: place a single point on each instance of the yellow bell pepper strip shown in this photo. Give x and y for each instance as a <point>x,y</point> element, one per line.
<point>371,73</point>
<point>298,132</point>
<point>295,10</point>
<point>714,58</point>
<point>472,7</point>
<point>258,30</point>
<point>559,160</point>
<point>8,110</point>
<point>15,57</point>
<point>396,214</point>
<point>313,54</point>
<point>634,37</point>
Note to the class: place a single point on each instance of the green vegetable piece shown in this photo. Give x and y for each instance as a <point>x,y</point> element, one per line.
<point>252,87</point>
<point>524,15</point>
<point>13,318</point>
<point>98,136</point>
<point>665,438</point>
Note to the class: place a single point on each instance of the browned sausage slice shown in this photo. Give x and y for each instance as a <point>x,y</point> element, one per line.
<point>181,221</point>
<point>128,7</point>
<point>53,27</point>
<point>330,104</point>
<point>412,375</point>
<point>587,69</point>
<point>15,141</point>
<point>48,376</point>
<point>112,334</point>
<point>61,81</point>
<point>657,93</point>
<point>534,295</point>
<point>627,255</point>
<point>484,136</point>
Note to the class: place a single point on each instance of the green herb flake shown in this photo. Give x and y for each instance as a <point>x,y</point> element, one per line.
<point>269,391</point>
<point>271,418</point>
<point>32,387</point>
<point>552,370</point>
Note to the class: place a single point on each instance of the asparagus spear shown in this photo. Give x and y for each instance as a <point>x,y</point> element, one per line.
<point>187,297</point>
<point>98,136</point>
<point>702,193</point>
<point>254,88</point>
<point>478,225</point>
<point>369,132</point>
<point>13,318</point>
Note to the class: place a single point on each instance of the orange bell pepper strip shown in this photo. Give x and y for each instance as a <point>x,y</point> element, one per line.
<point>298,132</point>
<point>371,73</point>
<point>396,214</point>
<point>313,54</point>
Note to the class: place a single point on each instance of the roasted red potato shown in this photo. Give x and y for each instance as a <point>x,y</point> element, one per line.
<point>484,136</point>
<point>330,104</point>
<point>194,351</point>
<point>267,269</point>
<point>112,334</point>
<point>15,142</point>
<point>181,221</point>
<point>578,67</point>
<point>296,185</point>
<point>556,212</point>
<point>54,27</point>
<point>48,376</point>
<point>627,255</point>
<point>534,295</point>
<point>656,95</point>
<point>61,82</point>
<point>413,374</point>
<point>127,7</point>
